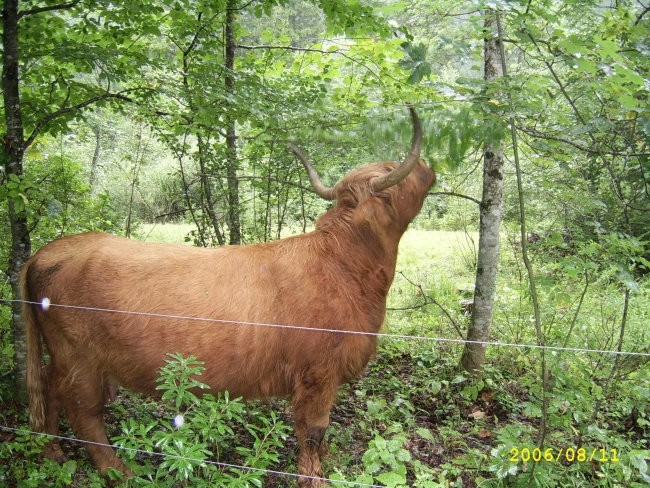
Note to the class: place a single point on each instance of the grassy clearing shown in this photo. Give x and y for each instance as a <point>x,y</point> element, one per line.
<point>168,233</point>
<point>426,255</point>
<point>417,246</point>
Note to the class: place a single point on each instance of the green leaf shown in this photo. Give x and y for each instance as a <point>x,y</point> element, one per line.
<point>415,62</point>
<point>425,434</point>
<point>391,479</point>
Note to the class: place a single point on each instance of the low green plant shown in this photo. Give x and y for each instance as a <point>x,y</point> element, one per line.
<point>389,462</point>
<point>18,466</point>
<point>190,438</point>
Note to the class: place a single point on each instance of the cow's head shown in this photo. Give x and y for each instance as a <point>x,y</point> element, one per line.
<point>383,195</point>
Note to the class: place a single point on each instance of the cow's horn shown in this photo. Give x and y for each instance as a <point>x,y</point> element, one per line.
<point>398,174</point>
<point>320,189</point>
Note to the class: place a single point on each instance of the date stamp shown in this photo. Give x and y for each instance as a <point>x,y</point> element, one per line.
<point>563,455</point>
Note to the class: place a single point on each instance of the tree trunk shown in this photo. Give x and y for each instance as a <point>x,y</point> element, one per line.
<point>94,164</point>
<point>234,223</point>
<point>137,162</point>
<point>207,191</point>
<point>13,151</point>
<point>491,211</point>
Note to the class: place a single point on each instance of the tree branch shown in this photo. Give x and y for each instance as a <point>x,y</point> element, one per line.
<point>288,48</point>
<point>73,108</point>
<point>49,8</point>
<point>263,178</point>
<point>580,147</point>
<point>189,120</point>
<point>559,83</point>
<point>641,15</point>
<point>243,7</point>
<point>454,194</point>
<point>428,300</point>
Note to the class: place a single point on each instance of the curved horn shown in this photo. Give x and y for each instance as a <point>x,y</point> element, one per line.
<point>320,189</point>
<point>398,174</point>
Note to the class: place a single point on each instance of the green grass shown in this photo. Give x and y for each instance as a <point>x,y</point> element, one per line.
<point>168,233</point>
<point>446,252</point>
<point>416,245</point>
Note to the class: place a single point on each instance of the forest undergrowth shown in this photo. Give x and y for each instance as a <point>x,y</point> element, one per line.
<point>413,418</point>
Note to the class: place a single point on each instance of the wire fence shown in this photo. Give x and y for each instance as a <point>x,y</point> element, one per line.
<point>45,305</point>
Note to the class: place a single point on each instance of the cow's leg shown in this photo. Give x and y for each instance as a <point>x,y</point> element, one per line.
<point>311,405</point>
<point>84,403</point>
<point>53,405</point>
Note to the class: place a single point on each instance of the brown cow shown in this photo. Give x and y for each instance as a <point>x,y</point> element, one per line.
<point>336,277</point>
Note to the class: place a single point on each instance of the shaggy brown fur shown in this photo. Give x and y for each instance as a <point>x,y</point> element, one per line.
<point>336,277</point>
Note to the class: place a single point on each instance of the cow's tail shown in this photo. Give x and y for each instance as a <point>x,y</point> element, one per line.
<point>35,372</point>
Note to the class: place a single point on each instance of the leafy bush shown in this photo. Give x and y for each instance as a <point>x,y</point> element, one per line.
<point>191,436</point>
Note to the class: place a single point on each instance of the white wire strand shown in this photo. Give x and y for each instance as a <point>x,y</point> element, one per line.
<point>336,331</point>
<point>197,461</point>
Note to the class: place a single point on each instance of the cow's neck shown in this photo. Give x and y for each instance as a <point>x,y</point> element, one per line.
<point>366,254</point>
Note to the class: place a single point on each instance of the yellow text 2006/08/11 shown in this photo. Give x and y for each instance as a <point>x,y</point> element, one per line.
<point>559,455</point>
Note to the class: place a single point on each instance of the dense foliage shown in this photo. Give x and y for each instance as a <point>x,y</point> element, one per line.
<point>138,120</point>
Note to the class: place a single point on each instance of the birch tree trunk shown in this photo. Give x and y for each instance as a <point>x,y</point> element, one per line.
<point>491,211</point>
<point>12,156</point>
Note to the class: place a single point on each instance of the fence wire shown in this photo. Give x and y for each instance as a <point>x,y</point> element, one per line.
<point>45,304</point>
